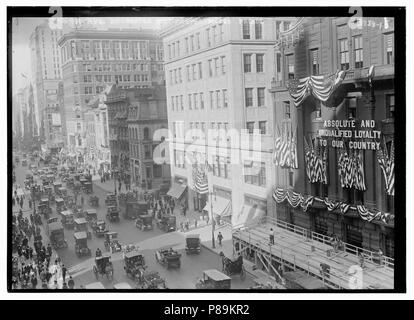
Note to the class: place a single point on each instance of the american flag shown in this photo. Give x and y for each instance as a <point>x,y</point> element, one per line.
<point>387,164</point>
<point>351,169</point>
<point>200,180</point>
<point>285,153</point>
<point>316,163</point>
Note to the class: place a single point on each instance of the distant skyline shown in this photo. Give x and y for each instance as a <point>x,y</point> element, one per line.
<point>22,28</point>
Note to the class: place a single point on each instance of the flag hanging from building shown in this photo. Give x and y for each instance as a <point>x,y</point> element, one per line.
<point>387,163</point>
<point>351,169</point>
<point>285,152</point>
<point>200,180</point>
<point>321,87</point>
<point>316,162</point>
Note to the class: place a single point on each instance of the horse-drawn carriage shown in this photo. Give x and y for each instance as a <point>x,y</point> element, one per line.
<point>232,267</point>
<point>144,222</point>
<point>111,242</point>
<point>103,266</point>
<point>81,244</point>
<point>99,227</point>
<point>113,213</point>
<point>193,243</point>
<point>214,279</point>
<point>68,219</point>
<point>134,264</point>
<point>168,258</point>
<point>93,201</point>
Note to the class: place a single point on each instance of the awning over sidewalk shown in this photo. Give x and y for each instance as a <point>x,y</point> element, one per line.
<point>176,190</point>
<point>221,207</point>
<point>248,215</point>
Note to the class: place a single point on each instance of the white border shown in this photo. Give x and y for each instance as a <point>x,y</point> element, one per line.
<point>193,295</point>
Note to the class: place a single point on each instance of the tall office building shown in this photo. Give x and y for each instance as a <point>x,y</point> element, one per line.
<point>92,59</point>
<point>218,75</point>
<point>46,75</point>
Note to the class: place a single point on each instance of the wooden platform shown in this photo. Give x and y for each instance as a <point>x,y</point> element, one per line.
<point>295,251</point>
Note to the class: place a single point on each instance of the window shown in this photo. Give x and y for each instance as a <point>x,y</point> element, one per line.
<point>194,71</point>
<point>99,89</point>
<point>250,127</point>
<point>216,66</point>
<point>286,25</point>
<point>389,48</point>
<point>344,54</point>
<point>198,40</point>
<point>189,102</point>
<point>258,27</point>
<point>389,105</point>
<point>314,56</point>
<point>246,29</point>
<point>290,66</point>
<point>287,109</point>
<point>201,101</point>
<point>259,62</point>
<point>221,32</point>
<point>318,111</point>
<point>260,97</point>
<point>262,127</point>
<point>247,62</point>
<point>225,103</point>
<point>186,45</point>
<point>88,90</point>
<point>223,64</point>
<point>180,79</point>
<point>188,73</point>
<point>146,133</point>
<point>192,43</point>
<point>218,99</point>
<point>255,173</point>
<point>172,103</point>
<point>210,68</point>
<point>249,97</point>
<point>181,102</point>
<point>157,170</point>
<point>178,48</point>
<point>208,37</point>
<point>200,71</point>
<point>351,105</point>
<point>358,52</point>
<point>147,150</point>
<point>211,100</point>
<point>195,101</point>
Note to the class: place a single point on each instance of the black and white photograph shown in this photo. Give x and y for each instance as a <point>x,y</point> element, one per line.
<point>205,150</point>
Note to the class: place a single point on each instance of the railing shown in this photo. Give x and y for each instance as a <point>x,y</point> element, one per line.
<point>370,256</point>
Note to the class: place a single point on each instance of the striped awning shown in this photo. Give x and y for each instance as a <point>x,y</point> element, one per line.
<point>221,207</point>
<point>176,190</point>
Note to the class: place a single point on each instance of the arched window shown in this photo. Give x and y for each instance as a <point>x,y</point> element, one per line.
<point>146,133</point>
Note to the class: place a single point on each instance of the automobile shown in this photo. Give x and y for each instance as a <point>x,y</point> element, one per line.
<point>193,243</point>
<point>103,266</point>
<point>150,279</point>
<point>82,225</point>
<point>68,219</point>
<point>90,215</point>
<point>213,279</point>
<point>144,222</point>
<point>99,228</point>
<point>111,242</point>
<point>133,209</point>
<point>70,182</point>
<point>81,244</point>
<point>112,213</point>
<point>87,187</point>
<point>134,263</point>
<point>44,209</point>
<point>57,235</point>
<point>167,223</point>
<point>110,200</point>
<point>60,205</point>
<point>168,258</point>
<point>93,201</point>
<point>44,201</point>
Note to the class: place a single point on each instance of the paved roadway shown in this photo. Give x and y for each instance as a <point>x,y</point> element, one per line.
<point>192,266</point>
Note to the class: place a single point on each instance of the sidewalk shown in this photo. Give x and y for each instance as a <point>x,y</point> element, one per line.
<point>227,249</point>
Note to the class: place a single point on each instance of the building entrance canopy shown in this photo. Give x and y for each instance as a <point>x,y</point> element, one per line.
<point>221,207</point>
<point>176,190</point>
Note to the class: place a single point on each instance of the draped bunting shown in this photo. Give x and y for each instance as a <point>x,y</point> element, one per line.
<point>351,169</point>
<point>285,153</point>
<point>200,182</point>
<point>321,87</point>
<point>296,199</point>
<point>386,163</point>
<point>316,162</point>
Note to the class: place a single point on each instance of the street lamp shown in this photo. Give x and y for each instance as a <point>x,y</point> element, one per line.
<point>213,222</point>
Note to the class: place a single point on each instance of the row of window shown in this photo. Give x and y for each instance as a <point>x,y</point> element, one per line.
<point>254,173</point>
<point>222,167</point>
<point>213,35</point>
<point>114,67</point>
<point>247,62</point>
<point>260,97</point>
<point>249,25</point>
<point>218,99</point>
<point>250,126</point>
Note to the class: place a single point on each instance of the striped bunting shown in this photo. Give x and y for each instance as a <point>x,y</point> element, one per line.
<point>351,169</point>
<point>316,162</point>
<point>285,152</point>
<point>387,164</point>
<point>200,181</point>
<point>321,87</point>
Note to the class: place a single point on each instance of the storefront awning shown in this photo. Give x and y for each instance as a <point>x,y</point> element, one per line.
<point>176,190</point>
<point>249,215</point>
<point>221,207</point>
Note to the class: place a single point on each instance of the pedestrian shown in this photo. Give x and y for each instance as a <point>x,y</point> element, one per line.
<point>219,238</point>
<point>361,260</point>
<point>82,200</point>
<point>71,283</point>
<point>30,204</point>
<point>64,285</point>
<point>34,282</point>
<point>64,272</point>
<point>195,223</point>
<point>271,236</point>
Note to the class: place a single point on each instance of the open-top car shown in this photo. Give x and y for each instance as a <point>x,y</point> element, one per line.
<point>167,222</point>
<point>150,279</point>
<point>144,222</point>
<point>168,258</point>
<point>214,279</point>
<point>81,244</point>
<point>134,264</point>
<point>111,200</point>
<point>99,228</point>
<point>193,243</point>
<point>111,242</point>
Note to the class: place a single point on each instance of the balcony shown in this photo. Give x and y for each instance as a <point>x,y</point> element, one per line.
<point>380,72</point>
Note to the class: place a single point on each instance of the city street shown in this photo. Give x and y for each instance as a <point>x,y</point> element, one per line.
<point>192,266</point>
